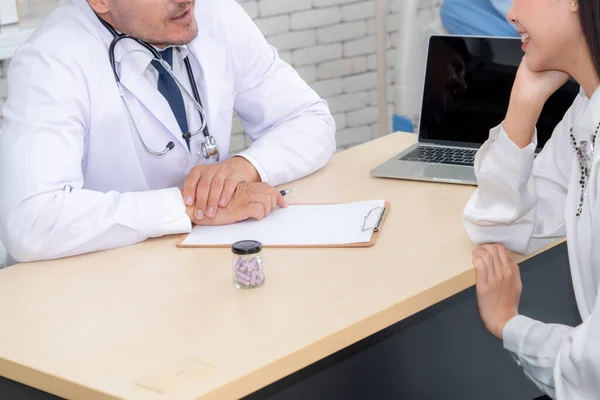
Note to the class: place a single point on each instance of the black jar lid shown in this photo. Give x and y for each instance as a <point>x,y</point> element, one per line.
<point>246,247</point>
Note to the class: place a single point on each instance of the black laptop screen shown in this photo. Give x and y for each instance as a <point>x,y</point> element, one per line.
<point>467,88</point>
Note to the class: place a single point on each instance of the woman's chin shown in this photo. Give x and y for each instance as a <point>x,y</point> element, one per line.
<point>535,64</point>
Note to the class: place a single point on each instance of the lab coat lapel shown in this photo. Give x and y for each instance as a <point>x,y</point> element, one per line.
<point>209,64</point>
<point>149,97</point>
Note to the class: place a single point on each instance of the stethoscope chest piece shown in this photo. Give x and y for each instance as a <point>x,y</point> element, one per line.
<point>210,148</point>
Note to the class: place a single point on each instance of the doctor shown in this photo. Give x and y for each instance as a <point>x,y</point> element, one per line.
<point>522,203</point>
<point>83,168</point>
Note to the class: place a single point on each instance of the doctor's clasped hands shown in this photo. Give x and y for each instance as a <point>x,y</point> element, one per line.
<point>250,200</point>
<point>208,187</point>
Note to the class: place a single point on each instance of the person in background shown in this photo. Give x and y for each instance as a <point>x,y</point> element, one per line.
<point>477,17</point>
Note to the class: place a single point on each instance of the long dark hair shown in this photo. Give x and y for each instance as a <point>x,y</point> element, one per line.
<point>589,18</point>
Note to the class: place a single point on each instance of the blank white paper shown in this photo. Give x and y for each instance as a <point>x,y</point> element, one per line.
<point>297,225</point>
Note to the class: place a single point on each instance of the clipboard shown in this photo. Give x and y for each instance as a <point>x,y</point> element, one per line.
<point>372,223</point>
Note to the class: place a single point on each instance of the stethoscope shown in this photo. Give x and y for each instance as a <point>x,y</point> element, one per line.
<point>209,147</point>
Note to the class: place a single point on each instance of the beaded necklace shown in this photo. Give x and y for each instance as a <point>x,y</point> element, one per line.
<point>585,162</point>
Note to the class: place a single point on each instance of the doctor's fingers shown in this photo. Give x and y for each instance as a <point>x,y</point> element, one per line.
<point>215,188</point>
<point>264,199</point>
<point>257,206</point>
<point>222,185</point>
<point>190,185</point>
<point>229,186</point>
<point>203,188</point>
<point>254,211</point>
<point>277,198</point>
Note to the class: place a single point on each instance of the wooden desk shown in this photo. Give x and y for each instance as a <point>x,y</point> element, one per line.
<point>92,326</point>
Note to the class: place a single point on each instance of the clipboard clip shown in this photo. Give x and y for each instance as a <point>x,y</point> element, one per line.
<point>373,219</point>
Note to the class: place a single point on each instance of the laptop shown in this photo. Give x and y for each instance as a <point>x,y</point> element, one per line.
<point>467,86</point>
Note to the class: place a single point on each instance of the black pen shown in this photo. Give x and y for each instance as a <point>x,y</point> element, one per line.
<point>285,191</point>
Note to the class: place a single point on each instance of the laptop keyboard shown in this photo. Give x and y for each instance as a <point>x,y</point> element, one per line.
<point>441,155</point>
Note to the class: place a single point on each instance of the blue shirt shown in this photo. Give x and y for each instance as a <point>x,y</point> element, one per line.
<point>477,17</point>
<point>502,6</point>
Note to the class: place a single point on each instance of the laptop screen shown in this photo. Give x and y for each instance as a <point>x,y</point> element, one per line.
<point>468,82</point>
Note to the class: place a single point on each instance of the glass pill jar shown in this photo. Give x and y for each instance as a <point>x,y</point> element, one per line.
<point>247,265</point>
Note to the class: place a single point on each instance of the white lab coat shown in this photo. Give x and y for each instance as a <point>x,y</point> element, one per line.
<point>523,204</point>
<point>74,177</point>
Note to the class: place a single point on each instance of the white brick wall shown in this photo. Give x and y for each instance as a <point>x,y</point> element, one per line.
<point>330,42</point>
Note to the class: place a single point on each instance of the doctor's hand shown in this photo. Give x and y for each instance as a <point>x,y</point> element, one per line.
<point>249,201</point>
<point>498,287</point>
<point>208,187</point>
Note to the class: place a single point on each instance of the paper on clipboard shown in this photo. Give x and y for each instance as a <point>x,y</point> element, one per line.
<point>299,225</point>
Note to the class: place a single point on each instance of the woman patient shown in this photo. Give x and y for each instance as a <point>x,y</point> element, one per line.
<point>520,201</point>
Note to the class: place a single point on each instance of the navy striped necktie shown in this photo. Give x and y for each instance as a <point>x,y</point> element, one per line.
<point>169,89</point>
